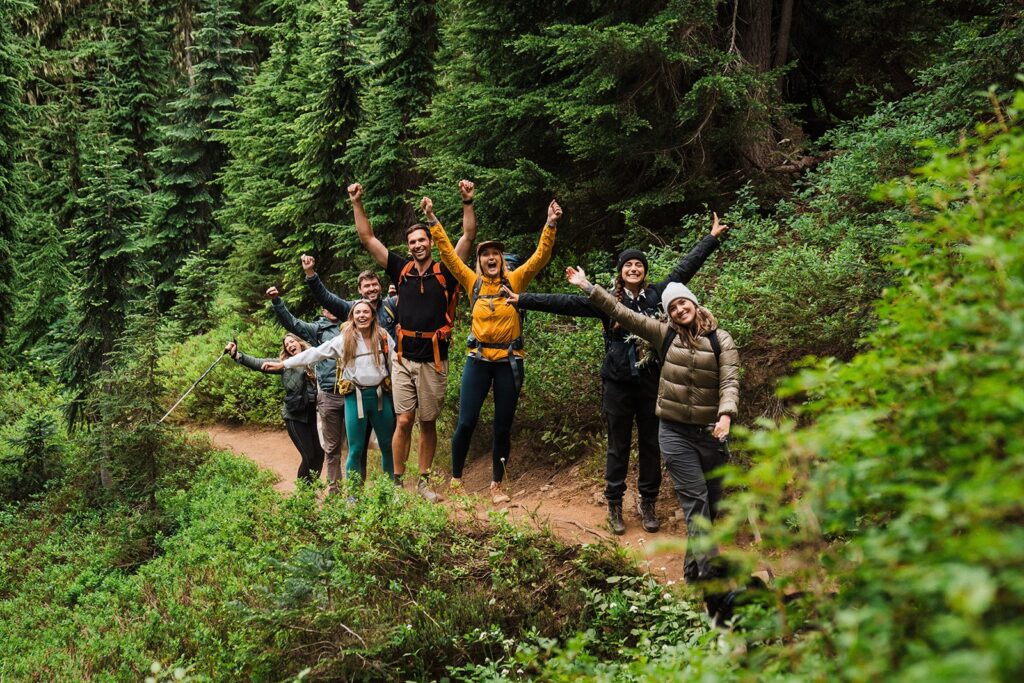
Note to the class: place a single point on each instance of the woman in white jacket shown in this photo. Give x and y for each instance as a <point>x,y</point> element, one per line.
<point>363,351</point>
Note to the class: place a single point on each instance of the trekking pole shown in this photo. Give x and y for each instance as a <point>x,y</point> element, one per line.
<point>194,384</point>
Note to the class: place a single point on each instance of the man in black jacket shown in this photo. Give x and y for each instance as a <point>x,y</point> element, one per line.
<point>629,375</point>
<point>369,288</point>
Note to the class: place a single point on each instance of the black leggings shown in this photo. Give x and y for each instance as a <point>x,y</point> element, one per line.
<point>307,441</point>
<point>477,378</point>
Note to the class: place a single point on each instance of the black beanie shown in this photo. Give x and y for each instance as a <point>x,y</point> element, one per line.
<point>629,255</point>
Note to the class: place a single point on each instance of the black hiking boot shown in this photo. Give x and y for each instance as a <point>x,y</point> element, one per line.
<point>615,522</point>
<point>650,519</point>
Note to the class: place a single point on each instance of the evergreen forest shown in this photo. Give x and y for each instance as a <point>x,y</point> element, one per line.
<point>164,162</point>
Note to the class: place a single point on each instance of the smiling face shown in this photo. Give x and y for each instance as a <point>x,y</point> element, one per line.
<point>369,288</point>
<point>292,345</point>
<point>490,261</point>
<point>682,311</point>
<point>362,316</point>
<point>633,271</point>
<point>419,245</point>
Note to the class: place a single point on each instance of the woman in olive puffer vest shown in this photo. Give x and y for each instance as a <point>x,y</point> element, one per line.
<point>299,410</point>
<point>698,395</point>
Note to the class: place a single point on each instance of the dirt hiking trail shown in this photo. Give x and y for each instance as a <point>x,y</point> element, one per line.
<point>570,504</point>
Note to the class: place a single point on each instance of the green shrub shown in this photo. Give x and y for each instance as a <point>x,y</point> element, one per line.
<point>230,393</point>
<point>247,585</point>
<point>32,438</point>
<point>905,490</point>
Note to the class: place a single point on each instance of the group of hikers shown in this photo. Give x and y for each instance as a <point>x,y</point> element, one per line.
<point>380,364</point>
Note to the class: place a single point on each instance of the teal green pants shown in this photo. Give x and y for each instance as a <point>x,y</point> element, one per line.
<point>383,423</point>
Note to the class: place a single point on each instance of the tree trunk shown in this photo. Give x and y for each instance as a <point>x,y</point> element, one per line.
<point>782,40</point>
<point>755,43</point>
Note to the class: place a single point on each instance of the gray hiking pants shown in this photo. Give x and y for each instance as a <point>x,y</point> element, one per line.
<point>690,453</point>
<point>330,408</point>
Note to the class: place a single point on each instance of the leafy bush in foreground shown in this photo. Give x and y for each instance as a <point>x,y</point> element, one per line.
<point>247,585</point>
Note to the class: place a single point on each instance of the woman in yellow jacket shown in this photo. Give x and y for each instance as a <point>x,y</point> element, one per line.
<point>496,342</point>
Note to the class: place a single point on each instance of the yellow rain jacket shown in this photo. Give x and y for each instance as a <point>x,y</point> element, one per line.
<point>501,325</point>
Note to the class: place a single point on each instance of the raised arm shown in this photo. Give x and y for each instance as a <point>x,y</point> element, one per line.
<point>363,228</point>
<point>561,304</point>
<point>464,247</point>
<point>248,361</point>
<point>649,328</point>
<point>521,277</point>
<point>692,262</point>
<point>332,302</point>
<point>332,348</point>
<point>288,321</point>
<point>463,273</point>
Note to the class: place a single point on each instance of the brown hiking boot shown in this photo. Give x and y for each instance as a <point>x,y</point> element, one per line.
<point>615,522</point>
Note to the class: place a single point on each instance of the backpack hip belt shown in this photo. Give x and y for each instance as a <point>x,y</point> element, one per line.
<point>515,345</point>
<point>435,337</point>
<point>383,388</point>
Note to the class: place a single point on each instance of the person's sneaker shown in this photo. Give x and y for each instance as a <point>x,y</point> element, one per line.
<point>650,519</point>
<point>497,495</point>
<point>423,489</point>
<point>615,522</point>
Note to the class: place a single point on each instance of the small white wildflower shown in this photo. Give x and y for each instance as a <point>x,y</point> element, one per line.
<point>633,609</point>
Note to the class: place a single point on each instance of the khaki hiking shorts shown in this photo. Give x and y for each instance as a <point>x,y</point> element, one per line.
<point>418,386</point>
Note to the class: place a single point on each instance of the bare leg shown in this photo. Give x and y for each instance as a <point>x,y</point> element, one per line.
<point>428,445</point>
<point>401,440</point>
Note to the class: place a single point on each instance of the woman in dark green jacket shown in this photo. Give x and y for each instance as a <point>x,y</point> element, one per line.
<point>299,410</point>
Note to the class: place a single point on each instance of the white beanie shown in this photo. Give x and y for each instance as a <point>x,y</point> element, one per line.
<point>676,290</point>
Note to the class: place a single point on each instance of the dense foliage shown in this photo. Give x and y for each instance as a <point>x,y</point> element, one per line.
<point>162,163</point>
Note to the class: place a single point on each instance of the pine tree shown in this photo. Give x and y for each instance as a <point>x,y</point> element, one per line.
<point>399,42</point>
<point>140,61</point>
<point>190,156</point>
<point>284,185</point>
<point>12,67</point>
<point>103,245</point>
<point>319,205</point>
<point>628,108</point>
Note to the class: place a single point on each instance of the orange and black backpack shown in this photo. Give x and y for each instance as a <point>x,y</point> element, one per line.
<point>443,333</point>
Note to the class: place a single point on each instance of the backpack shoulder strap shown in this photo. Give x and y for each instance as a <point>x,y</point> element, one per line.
<point>441,280</point>
<point>669,338</point>
<point>475,294</point>
<point>389,309</point>
<point>716,346</point>
<point>405,272</point>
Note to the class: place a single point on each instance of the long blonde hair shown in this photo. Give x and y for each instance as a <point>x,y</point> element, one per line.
<point>349,335</point>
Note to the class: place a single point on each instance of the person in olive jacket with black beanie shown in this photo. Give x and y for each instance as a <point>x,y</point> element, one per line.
<point>299,410</point>
<point>630,379</point>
